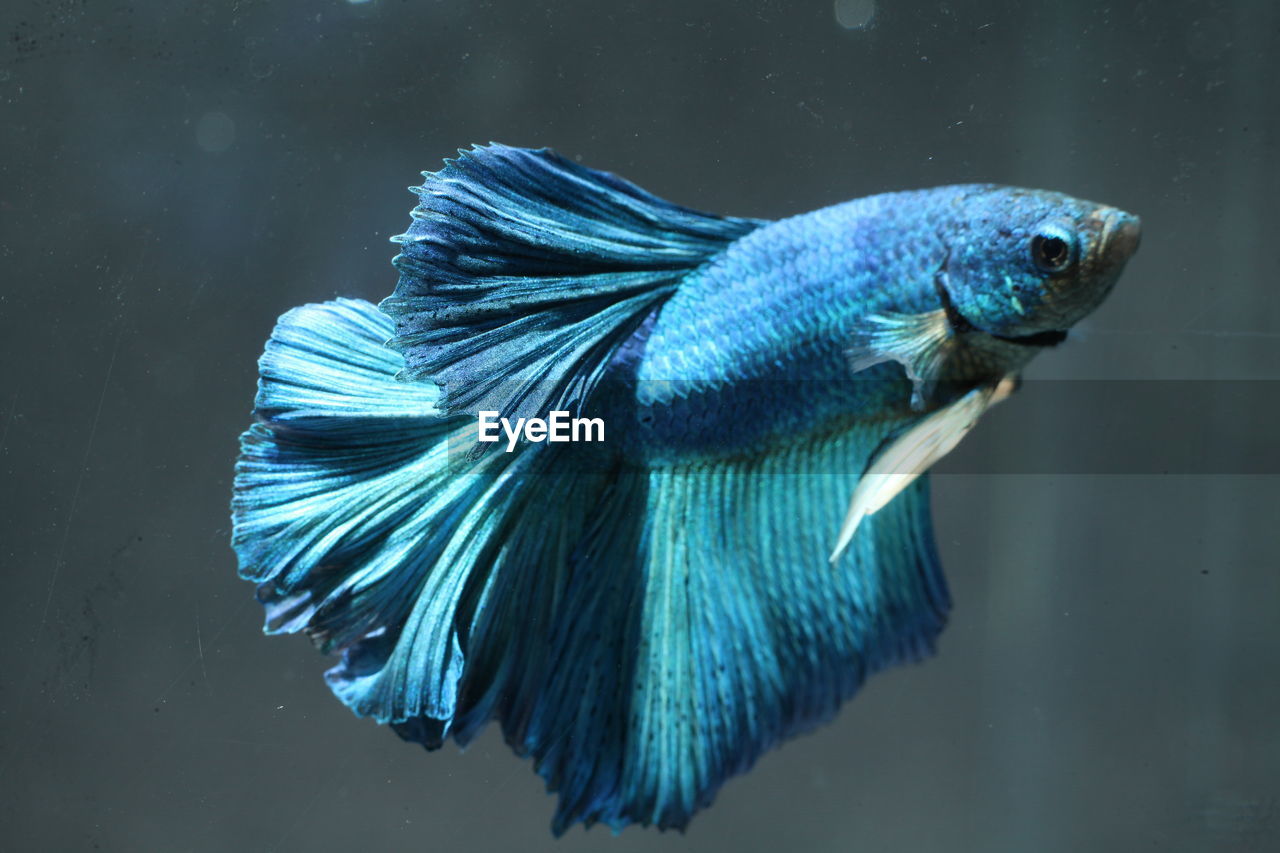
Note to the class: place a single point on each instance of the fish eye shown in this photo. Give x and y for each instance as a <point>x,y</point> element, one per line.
<point>1053,249</point>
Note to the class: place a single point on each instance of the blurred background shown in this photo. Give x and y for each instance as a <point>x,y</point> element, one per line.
<point>174,175</point>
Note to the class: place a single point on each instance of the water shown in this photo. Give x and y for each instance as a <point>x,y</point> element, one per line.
<point>176,175</point>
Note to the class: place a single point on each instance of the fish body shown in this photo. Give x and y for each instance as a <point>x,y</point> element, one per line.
<point>758,339</point>
<point>644,616</point>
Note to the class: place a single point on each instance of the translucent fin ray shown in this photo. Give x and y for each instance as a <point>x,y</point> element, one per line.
<point>907,455</point>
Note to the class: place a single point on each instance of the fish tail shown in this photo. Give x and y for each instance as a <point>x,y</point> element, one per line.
<point>340,492</point>
<point>437,576</point>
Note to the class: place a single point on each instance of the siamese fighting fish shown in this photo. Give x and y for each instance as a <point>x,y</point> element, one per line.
<point>643,485</point>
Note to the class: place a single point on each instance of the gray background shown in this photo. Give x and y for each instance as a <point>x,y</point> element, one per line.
<point>174,175</point>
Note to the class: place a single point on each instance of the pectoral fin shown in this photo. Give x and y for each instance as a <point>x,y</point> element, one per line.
<point>921,343</point>
<point>905,457</point>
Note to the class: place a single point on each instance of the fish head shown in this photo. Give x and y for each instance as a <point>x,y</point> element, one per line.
<point>1029,264</point>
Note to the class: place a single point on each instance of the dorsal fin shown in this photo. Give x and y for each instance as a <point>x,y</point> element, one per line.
<point>522,273</point>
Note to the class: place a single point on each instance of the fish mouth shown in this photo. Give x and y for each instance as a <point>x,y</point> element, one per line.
<point>1050,338</point>
<point>1119,234</point>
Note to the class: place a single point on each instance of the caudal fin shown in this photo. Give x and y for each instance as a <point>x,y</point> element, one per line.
<point>354,520</point>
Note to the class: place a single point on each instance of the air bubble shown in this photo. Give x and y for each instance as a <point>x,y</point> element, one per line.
<point>215,132</point>
<point>855,14</point>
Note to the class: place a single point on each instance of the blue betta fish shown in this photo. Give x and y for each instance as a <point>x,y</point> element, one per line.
<point>647,614</point>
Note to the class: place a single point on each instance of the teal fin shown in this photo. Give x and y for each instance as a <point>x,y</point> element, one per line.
<point>696,638</point>
<point>338,444</point>
<point>522,273</point>
<point>365,532</point>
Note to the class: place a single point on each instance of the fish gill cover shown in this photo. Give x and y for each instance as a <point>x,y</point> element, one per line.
<point>643,616</point>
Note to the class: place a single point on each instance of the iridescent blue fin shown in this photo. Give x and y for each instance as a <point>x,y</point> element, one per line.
<point>522,273</point>
<point>359,525</point>
<point>703,625</point>
<point>338,444</point>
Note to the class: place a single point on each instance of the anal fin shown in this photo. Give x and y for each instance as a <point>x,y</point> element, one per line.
<point>694,639</point>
